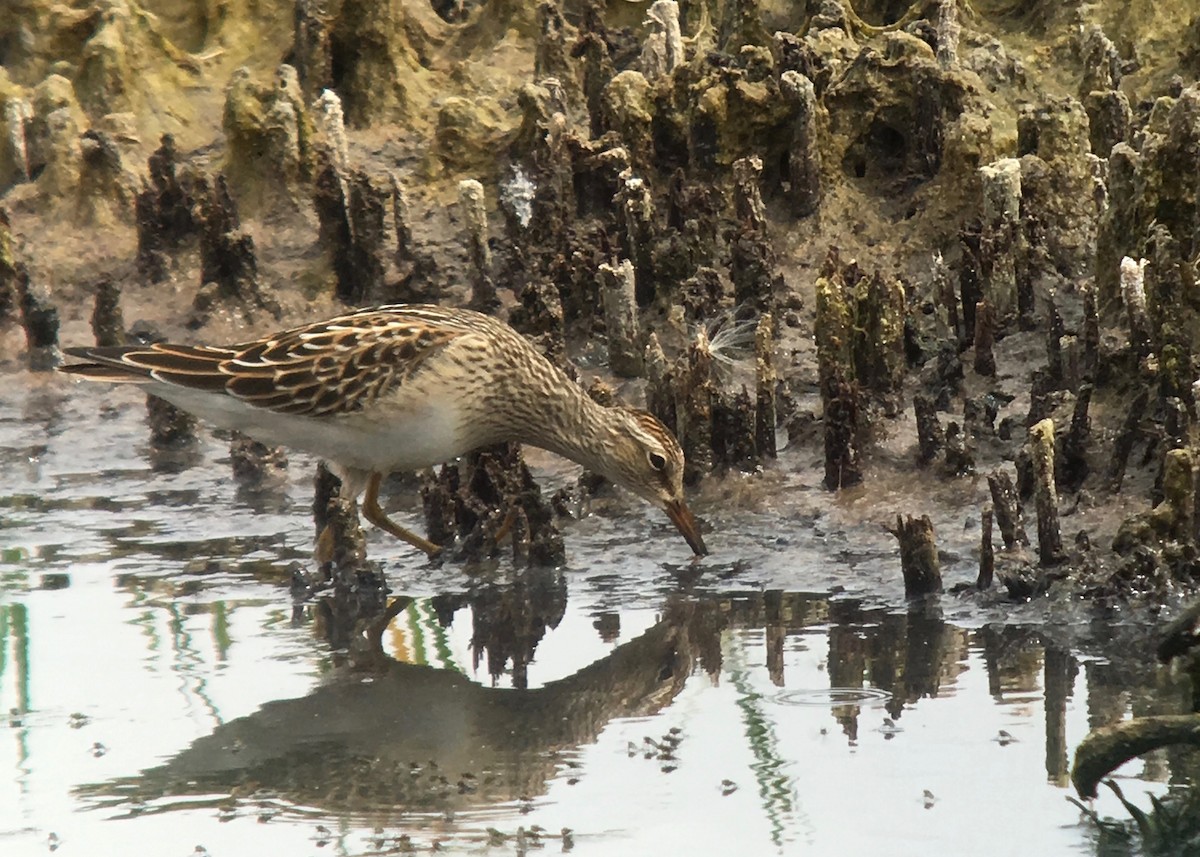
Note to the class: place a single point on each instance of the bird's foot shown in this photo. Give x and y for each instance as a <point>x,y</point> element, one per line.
<point>323,549</point>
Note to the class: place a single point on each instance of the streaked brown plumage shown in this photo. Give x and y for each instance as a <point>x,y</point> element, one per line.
<point>401,388</point>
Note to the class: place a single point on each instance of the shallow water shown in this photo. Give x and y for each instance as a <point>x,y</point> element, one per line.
<point>165,693</point>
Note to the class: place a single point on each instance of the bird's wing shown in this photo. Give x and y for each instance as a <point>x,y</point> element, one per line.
<point>330,367</point>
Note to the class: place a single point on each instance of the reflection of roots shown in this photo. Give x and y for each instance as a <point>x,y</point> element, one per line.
<point>347,618</point>
<point>509,622</point>
<point>698,636</point>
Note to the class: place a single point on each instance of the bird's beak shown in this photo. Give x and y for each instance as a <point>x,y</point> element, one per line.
<point>682,518</point>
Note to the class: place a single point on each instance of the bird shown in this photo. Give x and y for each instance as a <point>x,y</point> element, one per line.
<point>403,387</point>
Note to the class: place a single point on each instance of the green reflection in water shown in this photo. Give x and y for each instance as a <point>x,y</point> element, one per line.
<point>188,662</point>
<point>14,555</point>
<point>774,785</point>
<point>429,643</point>
<point>14,632</point>
<point>145,621</point>
<point>441,642</point>
<point>220,629</point>
<point>415,626</point>
<point>20,634</point>
<point>277,619</point>
<point>4,608</point>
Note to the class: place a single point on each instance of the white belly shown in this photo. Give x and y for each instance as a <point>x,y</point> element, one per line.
<point>381,439</point>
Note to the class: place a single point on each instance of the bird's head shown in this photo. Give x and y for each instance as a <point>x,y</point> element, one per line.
<point>648,461</point>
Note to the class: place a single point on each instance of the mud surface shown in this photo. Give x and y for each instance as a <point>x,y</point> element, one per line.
<point>776,698</point>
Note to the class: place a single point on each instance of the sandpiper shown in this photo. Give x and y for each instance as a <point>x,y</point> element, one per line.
<point>403,387</point>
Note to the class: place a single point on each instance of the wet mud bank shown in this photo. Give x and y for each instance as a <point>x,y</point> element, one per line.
<point>953,242</point>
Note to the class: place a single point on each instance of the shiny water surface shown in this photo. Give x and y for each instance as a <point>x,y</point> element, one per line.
<point>162,693</point>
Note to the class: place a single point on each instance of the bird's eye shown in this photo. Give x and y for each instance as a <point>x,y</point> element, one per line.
<point>656,460</point>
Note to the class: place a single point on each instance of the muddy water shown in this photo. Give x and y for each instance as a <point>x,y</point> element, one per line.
<point>163,692</point>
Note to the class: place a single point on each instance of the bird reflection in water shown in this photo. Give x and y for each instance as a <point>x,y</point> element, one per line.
<point>380,735</point>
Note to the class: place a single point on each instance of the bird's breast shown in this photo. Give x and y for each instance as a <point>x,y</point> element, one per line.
<point>397,432</point>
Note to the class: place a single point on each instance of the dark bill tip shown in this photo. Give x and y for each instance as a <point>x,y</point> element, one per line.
<point>685,522</point>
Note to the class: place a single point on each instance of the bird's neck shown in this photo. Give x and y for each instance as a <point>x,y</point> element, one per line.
<point>570,423</point>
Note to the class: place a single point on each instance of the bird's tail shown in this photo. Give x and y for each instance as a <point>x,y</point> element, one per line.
<point>100,372</point>
<point>104,365</point>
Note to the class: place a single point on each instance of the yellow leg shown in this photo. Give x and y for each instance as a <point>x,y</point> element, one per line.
<point>375,627</point>
<point>323,551</point>
<point>372,512</point>
<point>507,524</point>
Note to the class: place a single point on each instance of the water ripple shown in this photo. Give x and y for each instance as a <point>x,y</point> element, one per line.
<point>829,697</point>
